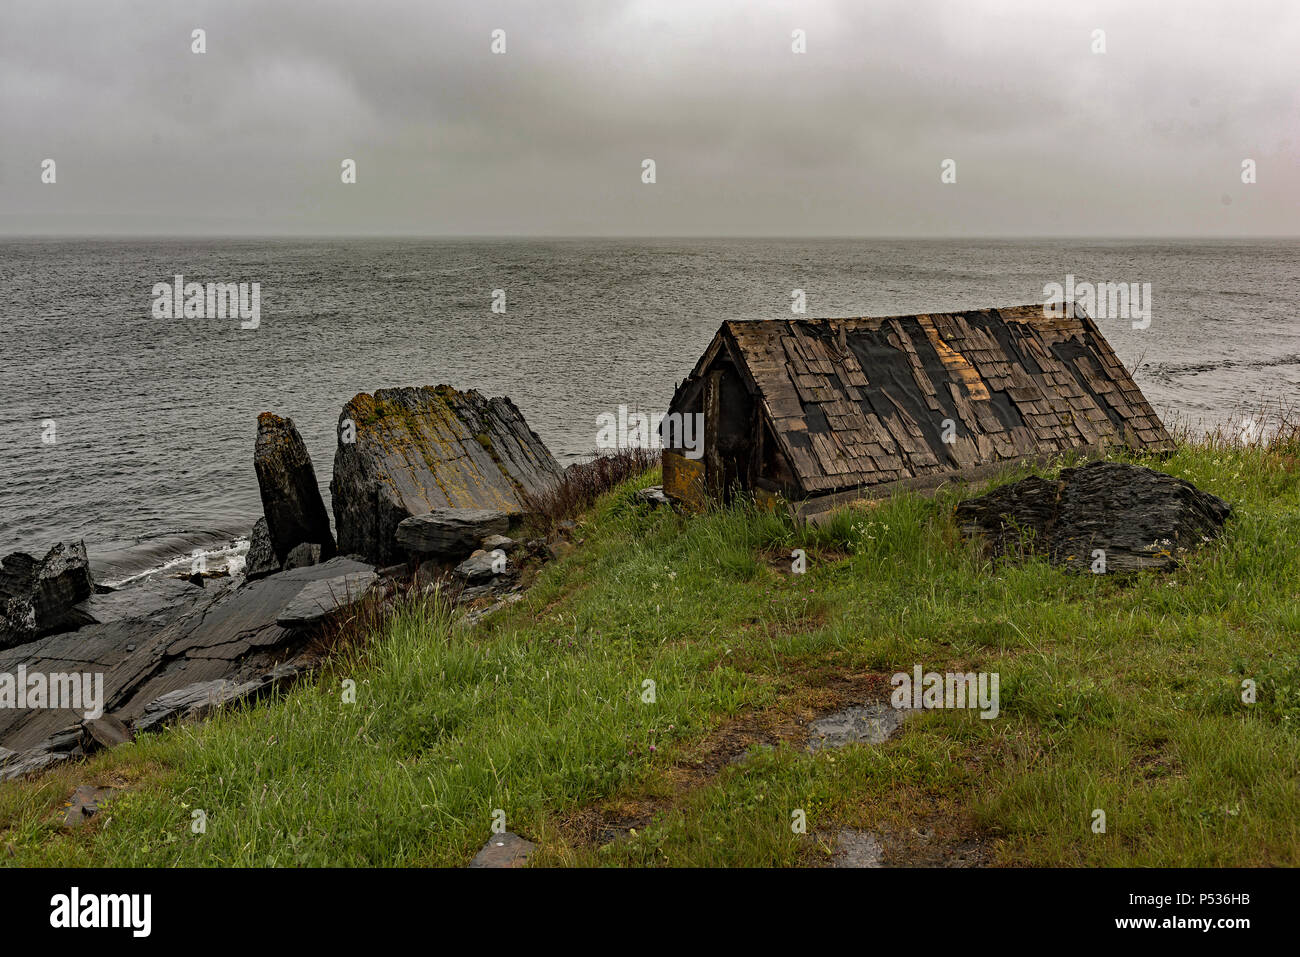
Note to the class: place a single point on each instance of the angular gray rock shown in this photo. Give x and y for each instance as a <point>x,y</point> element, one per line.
<point>291,499</point>
<point>473,593</point>
<point>40,597</point>
<point>303,556</point>
<point>474,615</point>
<point>203,697</point>
<point>31,762</point>
<point>405,452</point>
<point>1132,517</point>
<point>319,599</point>
<point>653,496</point>
<point>261,560</point>
<point>482,567</point>
<point>192,701</point>
<point>450,532</point>
<point>108,731</point>
<point>503,542</point>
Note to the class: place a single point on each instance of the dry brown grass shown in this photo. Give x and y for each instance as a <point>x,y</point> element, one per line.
<point>582,484</point>
<point>1274,427</point>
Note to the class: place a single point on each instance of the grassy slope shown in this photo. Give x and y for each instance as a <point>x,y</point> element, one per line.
<point>1117,693</point>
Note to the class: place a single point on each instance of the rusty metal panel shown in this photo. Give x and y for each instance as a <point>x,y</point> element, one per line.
<point>684,481</point>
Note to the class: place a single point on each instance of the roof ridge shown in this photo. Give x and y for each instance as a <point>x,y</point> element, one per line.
<point>1039,306</point>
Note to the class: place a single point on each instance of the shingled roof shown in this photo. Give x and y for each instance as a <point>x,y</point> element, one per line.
<point>859,402</point>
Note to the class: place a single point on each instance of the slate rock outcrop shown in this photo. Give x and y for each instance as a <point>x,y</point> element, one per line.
<point>492,542</point>
<point>1136,517</point>
<point>291,500</point>
<point>161,662</point>
<point>39,597</point>
<point>653,496</point>
<point>405,452</point>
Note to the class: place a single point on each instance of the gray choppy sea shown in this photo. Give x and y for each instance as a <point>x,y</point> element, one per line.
<point>155,419</point>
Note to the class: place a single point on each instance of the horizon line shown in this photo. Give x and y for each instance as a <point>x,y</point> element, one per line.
<point>517,237</point>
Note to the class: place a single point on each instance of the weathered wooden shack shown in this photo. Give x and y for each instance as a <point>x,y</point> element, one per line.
<point>820,411</point>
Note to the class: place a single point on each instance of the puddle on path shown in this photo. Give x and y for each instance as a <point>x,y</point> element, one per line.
<point>866,724</point>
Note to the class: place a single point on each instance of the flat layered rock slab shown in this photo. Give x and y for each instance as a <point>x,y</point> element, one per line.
<point>245,618</point>
<point>14,765</point>
<point>504,850</point>
<point>142,599</point>
<point>207,643</point>
<point>452,532</point>
<point>199,699</point>
<point>320,599</point>
<point>865,724</point>
<point>106,649</point>
<point>193,700</point>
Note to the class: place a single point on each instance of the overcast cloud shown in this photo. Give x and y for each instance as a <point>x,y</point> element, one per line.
<point>749,138</point>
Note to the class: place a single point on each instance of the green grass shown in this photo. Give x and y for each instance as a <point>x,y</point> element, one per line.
<point>1117,693</point>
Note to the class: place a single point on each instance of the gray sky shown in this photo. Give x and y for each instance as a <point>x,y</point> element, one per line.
<point>748,137</point>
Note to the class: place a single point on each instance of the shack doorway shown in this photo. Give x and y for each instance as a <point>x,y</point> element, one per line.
<point>728,432</point>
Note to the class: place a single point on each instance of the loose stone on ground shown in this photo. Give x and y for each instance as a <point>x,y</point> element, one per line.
<point>85,803</point>
<point>504,850</point>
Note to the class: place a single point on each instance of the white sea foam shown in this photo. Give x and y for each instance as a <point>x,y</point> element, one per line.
<point>230,558</point>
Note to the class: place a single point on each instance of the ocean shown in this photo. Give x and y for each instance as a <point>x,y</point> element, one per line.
<point>136,433</point>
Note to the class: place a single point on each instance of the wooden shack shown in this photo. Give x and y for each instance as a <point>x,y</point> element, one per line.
<point>820,411</point>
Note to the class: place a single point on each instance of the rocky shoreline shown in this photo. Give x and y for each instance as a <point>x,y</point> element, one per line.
<point>429,487</point>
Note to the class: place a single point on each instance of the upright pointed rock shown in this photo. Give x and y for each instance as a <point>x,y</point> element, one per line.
<point>291,502</point>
